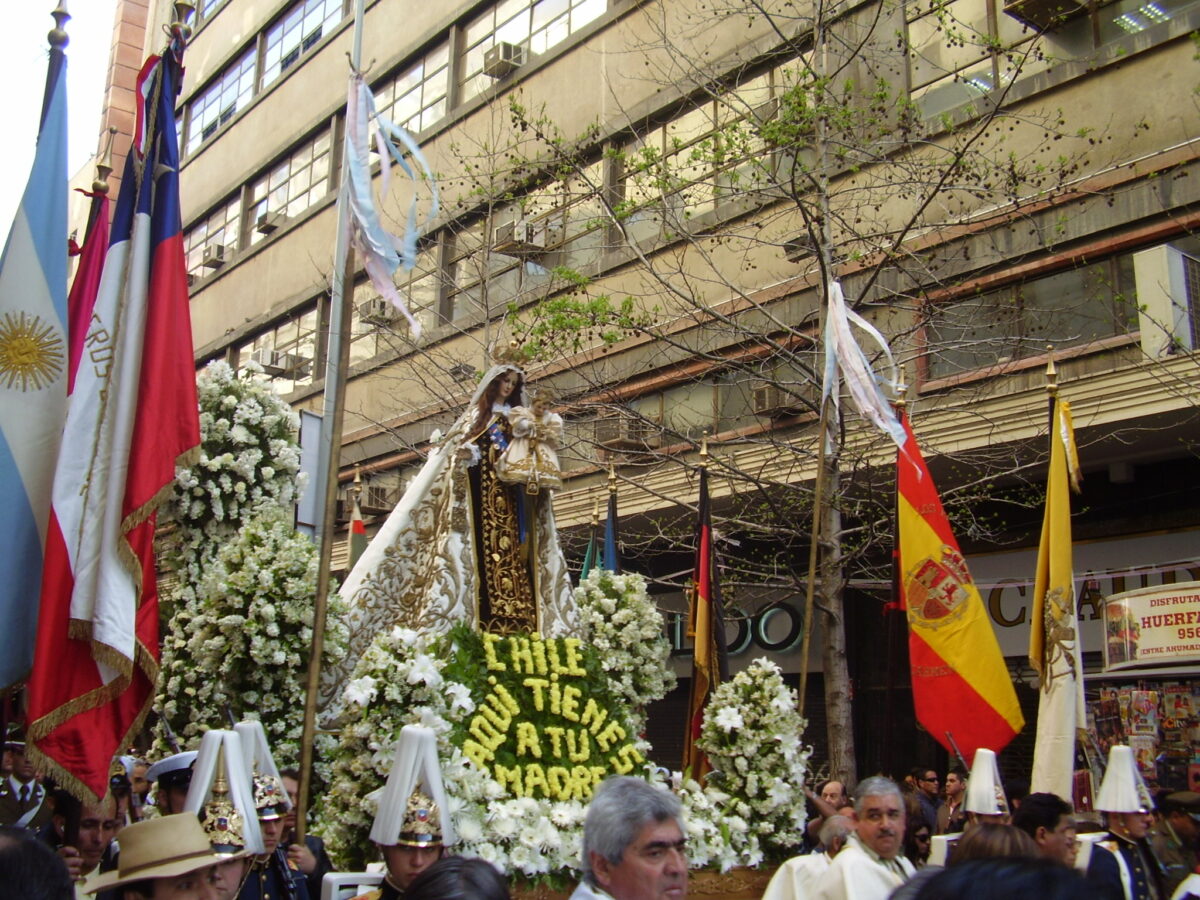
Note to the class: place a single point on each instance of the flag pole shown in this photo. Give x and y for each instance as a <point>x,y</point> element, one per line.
<point>889,721</point>
<point>328,458</point>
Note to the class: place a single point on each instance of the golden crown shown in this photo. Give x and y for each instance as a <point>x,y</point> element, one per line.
<point>508,354</point>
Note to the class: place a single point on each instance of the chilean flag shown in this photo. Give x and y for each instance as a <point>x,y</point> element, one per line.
<point>132,416</point>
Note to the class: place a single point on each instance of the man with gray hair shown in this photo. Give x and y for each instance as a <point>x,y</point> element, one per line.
<point>870,866</point>
<point>797,877</point>
<point>633,844</point>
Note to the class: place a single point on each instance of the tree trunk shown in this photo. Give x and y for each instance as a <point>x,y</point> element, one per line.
<point>839,720</point>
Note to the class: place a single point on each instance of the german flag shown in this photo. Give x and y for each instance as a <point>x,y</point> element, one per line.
<point>706,627</point>
<point>960,682</point>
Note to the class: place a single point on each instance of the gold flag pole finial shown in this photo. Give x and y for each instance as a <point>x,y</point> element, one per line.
<point>183,12</point>
<point>595,513</point>
<point>901,394</point>
<point>612,478</point>
<point>104,167</point>
<point>704,451</point>
<point>58,38</point>
<point>1051,372</point>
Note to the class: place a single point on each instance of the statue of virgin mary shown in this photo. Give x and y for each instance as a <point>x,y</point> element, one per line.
<point>461,545</point>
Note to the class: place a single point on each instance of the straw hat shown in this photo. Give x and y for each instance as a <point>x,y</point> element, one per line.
<point>985,791</point>
<point>163,847</point>
<point>1122,790</point>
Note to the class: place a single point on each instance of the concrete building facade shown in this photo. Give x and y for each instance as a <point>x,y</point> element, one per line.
<point>656,195</point>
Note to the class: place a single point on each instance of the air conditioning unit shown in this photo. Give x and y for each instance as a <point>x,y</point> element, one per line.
<point>628,433</point>
<point>378,312</point>
<point>192,278</point>
<point>214,256</point>
<point>798,248</point>
<point>276,362</point>
<point>377,499</point>
<point>1042,15</point>
<point>1168,300</point>
<point>770,400</point>
<point>502,59</point>
<point>520,238</point>
<point>268,222</point>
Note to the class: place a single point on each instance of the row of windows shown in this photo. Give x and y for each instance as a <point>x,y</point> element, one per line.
<point>1076,307</point>
<point>286,190</point>
<point>420,94</point>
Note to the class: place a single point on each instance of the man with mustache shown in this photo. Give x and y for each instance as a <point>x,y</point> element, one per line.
<point>871,864</point>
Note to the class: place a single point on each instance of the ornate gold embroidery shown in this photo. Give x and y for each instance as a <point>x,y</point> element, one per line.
<point>510,605</point>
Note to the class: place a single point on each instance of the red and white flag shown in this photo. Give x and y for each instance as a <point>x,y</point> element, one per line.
<point>132,416</point>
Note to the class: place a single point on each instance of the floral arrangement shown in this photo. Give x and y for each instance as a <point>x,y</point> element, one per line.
<point>621,621</point>
<point>750,735</point>
<point>480,692</point>
<point>249,459</point>
<point>239,615</point>
<point>521,811</point>
<point>248,637</point>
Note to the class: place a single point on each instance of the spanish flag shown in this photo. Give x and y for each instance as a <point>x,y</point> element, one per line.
<point>1054,649</point>
<point>960,683</point>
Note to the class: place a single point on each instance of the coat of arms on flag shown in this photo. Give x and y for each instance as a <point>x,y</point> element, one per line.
<point>936,588</point>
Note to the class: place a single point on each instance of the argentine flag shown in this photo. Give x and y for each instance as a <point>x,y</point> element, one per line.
<point>33,375</point>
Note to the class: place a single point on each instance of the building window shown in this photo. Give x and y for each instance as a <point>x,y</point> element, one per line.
<point>291,186</point>
<point>377,327</point>
<point>1068,308</point>
<point>297,32</point>
<point>285,352</point>
<point>960,50</point>
<point>535,26</point>
<point>217,105</point>
<point>416,98</point>
<point>210,244</point>
<point>205,9</point>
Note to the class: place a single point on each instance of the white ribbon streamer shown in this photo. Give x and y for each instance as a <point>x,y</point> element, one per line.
<point>845,358</point>
<point>382,252</point>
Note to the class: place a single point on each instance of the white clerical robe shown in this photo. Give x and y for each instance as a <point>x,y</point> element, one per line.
<point>859,873</point>
<point>797,878</point>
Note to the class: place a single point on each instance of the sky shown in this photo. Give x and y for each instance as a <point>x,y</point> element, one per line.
<point>23,56</point>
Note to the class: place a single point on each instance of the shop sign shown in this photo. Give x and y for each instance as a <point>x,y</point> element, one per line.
<point>1151,626</point>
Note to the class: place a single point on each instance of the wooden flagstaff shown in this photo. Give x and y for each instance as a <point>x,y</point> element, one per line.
<point>329,456</point>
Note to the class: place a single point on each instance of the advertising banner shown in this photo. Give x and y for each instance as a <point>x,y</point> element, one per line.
<point>1151,626</point>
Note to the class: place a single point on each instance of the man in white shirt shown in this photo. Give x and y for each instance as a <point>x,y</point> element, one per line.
<point>633,844</point>
<point>870,866</point>
<point>796,878</point>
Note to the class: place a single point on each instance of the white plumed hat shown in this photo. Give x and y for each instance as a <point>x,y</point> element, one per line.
<point>985,791</point>
<point>412,808</point>
<point>1123,789</point>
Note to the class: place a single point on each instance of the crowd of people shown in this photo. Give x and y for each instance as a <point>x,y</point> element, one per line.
<point>219,831</point>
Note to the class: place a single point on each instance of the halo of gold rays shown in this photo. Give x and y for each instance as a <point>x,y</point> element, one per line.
<point>31,352</point>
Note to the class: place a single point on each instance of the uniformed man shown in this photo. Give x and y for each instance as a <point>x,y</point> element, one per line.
<point>222,795</point>
<point>171,777</point>
<point>1122,863</point>
<point>23,800</point>
<point>412,827</point>
<point>272,875</point>
<point>1177,837</point>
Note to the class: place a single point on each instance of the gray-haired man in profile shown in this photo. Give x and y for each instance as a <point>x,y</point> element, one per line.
<point>633,844</point>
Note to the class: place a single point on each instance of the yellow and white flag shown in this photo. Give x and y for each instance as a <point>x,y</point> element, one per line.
<point>1054,647</point>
